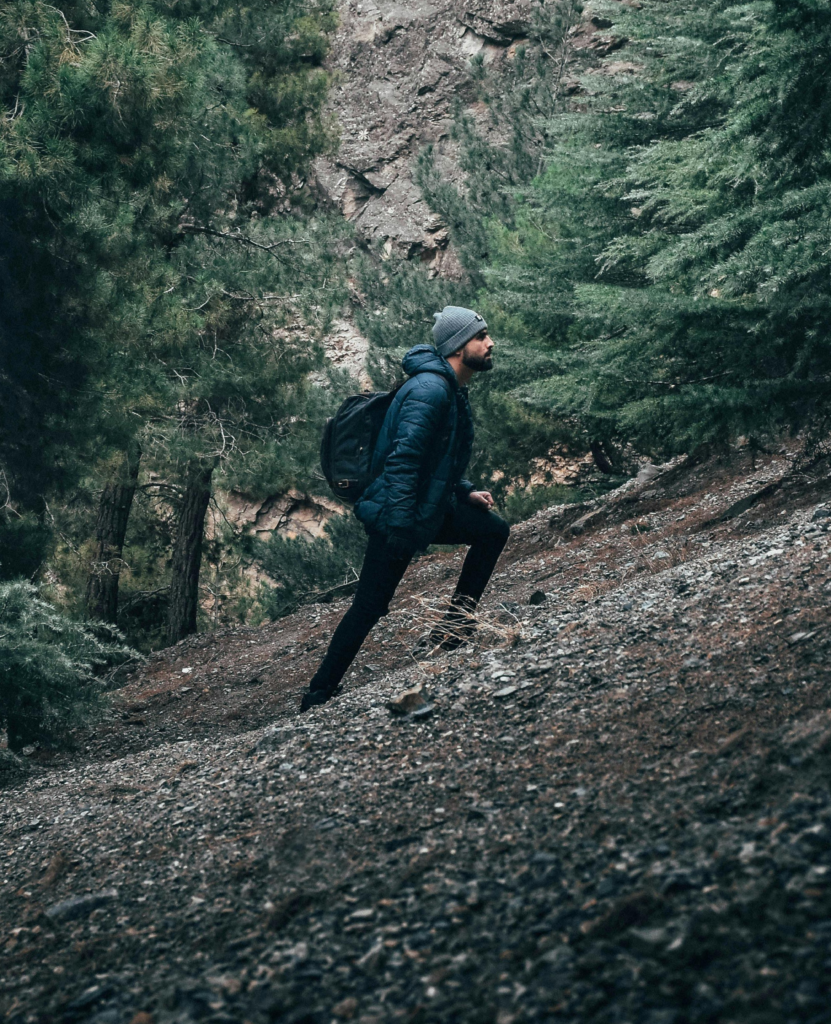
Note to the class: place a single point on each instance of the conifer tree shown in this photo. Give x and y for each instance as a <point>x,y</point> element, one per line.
<point>148,169</point>
<point>110,530</point>
<point>48,667</point>
<point>674,252</point>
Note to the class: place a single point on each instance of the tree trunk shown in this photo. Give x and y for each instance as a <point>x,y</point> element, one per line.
<point>605,457</point>
<point>110,530</point>
<point>187,553</point>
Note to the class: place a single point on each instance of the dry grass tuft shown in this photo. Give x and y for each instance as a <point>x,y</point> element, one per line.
<point>424,617</point>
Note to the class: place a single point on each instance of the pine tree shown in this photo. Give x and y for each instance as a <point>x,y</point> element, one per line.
<point>148,172</point>
<point>48,666</point>
<point>675,251</point>
<point>114,509</point>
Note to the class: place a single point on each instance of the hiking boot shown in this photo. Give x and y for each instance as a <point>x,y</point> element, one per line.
<point>457,626</point>
<point>311,698</point>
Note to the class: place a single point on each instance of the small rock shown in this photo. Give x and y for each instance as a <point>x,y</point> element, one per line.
<point>346,1008</point>
<point>584,522</point>
<point>407,702</point>
<point>539,669</point>
<point>364,914</point>
<point>821,513</point>
<point>424,712</point>
<point>88,997</point>
<point>647,473</point>
<point>372,957</point>
<point>506,691</point>
<point>678,881</point>
<point>649,939</point>
<point>81,906</point>
<point>271,739</point>
<point>560,957</point>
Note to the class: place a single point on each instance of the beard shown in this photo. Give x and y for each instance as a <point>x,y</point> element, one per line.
<point>480,363</point>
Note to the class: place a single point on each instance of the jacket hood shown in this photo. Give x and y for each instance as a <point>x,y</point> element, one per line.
<point>423,358</point>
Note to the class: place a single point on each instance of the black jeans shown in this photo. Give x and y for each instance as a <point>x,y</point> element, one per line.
<point>485,532</point>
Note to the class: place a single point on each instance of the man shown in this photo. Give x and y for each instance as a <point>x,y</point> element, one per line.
<point>418,495</point>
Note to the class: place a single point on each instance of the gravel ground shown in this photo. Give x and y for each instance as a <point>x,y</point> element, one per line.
<point>616,808</point>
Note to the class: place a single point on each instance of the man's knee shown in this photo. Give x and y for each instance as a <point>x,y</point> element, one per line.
<point>500,530</point>
<point>369,609</point>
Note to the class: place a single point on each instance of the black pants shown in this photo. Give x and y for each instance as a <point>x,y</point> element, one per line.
<point>485,532</point>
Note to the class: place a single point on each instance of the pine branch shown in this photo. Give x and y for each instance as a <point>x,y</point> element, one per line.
<point>673,384</point>
<point>240,238</point>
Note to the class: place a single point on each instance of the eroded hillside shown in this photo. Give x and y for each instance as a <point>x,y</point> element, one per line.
<point>615,808</point>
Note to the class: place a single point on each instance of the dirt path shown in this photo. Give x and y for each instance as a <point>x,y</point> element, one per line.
<point>618,810</point>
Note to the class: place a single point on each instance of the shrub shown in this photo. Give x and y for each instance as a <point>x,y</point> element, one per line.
<point>48,667</point>
<point>301,568</point>
<point>520,505</point>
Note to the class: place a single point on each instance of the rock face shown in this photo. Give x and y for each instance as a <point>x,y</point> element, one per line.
<point>399,71</point>
<point>347,349</point>
<point>293,514</point>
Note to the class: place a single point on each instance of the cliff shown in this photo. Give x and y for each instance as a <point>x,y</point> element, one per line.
<point>400,70</point>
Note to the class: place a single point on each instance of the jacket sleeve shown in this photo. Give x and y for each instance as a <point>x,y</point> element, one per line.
<point>463,489</point>
<point>421,418</point>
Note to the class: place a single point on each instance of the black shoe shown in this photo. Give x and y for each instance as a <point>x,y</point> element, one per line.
<point>457,626</point>
<point>311,698</point>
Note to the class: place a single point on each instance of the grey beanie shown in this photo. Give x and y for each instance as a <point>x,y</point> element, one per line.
<point>454,327</point>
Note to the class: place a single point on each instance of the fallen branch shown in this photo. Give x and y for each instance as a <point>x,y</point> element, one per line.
<point>743,504</point>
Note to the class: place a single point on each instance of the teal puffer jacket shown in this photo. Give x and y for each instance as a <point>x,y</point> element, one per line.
<point>421,454</point>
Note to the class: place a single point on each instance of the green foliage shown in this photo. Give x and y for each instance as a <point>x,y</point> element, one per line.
<point>674,253</point>
<point>147,144</point>
<point>48,666</point>
<point>393,307</point>
<point>522,503</point>
<point>301,568</point>
<point>158,251</point>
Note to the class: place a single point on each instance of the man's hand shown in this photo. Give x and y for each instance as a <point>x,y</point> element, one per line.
<point>482,499</point>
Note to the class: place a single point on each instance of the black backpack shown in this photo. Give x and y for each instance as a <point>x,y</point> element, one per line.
<point>349,440</point>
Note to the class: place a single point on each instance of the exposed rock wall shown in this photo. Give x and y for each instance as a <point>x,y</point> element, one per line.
<point>400,70</point>
<point>293,514</point>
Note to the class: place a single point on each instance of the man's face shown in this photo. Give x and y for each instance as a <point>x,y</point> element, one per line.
<point>477,352</point>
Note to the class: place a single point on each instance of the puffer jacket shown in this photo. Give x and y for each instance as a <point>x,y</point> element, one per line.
<point>421,453</point>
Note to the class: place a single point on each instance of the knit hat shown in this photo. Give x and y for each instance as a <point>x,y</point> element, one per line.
<point>454,327</point>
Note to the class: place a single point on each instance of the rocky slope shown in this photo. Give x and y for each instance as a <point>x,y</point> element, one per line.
<point>617,807</point>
